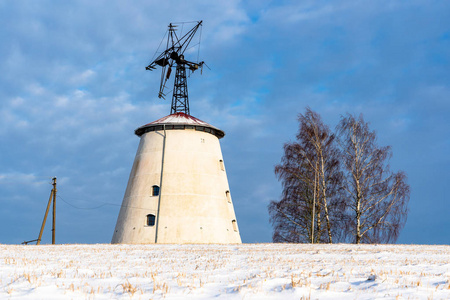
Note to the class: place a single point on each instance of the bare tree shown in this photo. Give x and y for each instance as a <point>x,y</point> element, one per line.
<point>292,215</point>
<point>377,198</point>
<point>309,210</point>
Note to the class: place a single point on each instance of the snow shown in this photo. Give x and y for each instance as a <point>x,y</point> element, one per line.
<point>250,271</point>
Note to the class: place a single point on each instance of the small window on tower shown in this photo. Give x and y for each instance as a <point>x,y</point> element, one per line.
<point>222,166</point>
<point>227,193</point>
<point>234,225</point>
<point>155,190</point>
<point>151,220</point>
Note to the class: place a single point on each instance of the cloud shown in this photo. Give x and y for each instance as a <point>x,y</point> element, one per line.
<point>73,89</point>
<point>22,178</point>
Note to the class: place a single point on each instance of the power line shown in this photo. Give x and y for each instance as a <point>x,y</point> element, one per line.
<point>100,206</point>
<point>85,208</point>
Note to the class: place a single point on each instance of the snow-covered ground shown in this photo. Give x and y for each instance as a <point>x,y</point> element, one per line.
<point>249,271</point>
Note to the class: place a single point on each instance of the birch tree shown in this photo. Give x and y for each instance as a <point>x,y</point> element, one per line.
<point>309,209</point>
<point>377,198</point>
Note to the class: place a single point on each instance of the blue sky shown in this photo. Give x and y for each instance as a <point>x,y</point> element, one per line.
<point>73,88</point>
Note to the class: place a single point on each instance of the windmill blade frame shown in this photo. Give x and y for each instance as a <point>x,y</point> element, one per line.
<point>173,56</point>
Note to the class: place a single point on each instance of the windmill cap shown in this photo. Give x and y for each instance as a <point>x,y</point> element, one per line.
<point>179,121</point>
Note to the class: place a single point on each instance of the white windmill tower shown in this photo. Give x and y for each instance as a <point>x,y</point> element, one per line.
<point>178,188</point>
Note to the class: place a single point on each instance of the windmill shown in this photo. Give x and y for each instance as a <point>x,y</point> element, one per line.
<point>178,189</point>
<point>173,56</point>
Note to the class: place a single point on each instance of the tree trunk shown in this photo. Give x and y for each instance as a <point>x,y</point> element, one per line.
<point>325,204</point>
<point>319,225</point>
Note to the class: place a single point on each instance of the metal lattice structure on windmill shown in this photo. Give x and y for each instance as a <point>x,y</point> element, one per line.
<point>178,190</point>
<point>173,56</point>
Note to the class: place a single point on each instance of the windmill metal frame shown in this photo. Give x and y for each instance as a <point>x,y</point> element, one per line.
<point>173,56</point>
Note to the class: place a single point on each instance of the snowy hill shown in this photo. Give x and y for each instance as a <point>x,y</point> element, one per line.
<point>250,271</point>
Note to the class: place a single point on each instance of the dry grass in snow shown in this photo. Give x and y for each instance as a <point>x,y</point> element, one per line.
<point>250,271</point>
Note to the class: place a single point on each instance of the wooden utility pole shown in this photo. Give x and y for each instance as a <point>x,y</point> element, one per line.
<point>52,197</point>
<point>54,210</point>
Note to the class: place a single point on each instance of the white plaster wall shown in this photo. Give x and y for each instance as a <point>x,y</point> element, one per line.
<point>193,208</point>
